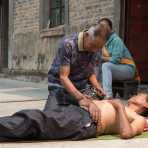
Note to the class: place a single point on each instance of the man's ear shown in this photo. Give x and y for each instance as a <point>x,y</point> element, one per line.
<point>86,34</point>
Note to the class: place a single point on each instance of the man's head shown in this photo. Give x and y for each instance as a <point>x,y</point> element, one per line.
<point>95,38</point>
<point>139,103</point>
<point>107,24</point>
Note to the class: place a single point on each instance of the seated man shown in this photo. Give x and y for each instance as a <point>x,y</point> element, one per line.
<point>118,62</point>
<point>72,122</point>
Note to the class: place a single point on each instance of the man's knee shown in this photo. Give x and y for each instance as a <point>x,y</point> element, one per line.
<point>51,103</point>
<point>107,66</point>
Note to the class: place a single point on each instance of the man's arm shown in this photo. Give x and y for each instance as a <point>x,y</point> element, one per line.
<point>125,129</point>
<point>82,99</point>
<point>117,46</point>
<point>93,80</point>
<point>66,82</point>
<point>137,121</point>
<point>106,59</point>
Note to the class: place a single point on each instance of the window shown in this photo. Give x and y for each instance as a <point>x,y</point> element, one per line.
<point>56,12</point>
<point>54,17</point>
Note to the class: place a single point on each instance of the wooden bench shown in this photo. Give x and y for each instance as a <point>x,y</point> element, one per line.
<point>125,89</point>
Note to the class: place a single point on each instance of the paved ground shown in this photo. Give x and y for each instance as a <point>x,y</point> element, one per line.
<point>21,88</point>
<point>17,95</point>
<point>135,143</point>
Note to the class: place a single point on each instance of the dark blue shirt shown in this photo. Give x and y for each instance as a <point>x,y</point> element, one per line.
<point>81,63</point>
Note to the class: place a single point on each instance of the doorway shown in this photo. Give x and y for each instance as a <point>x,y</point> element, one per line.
<point>4,33</point>
<point>135,26</point>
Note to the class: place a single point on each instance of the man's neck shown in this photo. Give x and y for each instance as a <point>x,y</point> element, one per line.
<point>81,41</point>
<point>85,41</point>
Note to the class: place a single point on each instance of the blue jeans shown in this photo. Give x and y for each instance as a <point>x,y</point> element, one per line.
<point>111,72</point>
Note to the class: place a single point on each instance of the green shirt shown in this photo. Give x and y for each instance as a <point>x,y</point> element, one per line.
<point>117,49</point>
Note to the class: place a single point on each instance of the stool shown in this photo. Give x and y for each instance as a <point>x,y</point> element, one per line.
<point>125,88</point>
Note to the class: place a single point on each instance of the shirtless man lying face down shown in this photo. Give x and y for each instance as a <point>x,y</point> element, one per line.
<point>115,118</point>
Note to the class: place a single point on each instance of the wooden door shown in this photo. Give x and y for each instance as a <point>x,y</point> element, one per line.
<point>3,33</point>
<point>136,34</point>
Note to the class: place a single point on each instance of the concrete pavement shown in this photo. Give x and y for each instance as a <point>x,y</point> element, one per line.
<point>25,90</point>
<point>17,95</point>
<point>136,143</point>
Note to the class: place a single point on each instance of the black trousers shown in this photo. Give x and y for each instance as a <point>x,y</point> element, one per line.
<point>56,122</point>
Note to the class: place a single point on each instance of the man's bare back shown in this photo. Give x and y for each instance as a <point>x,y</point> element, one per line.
<point>111,119</point>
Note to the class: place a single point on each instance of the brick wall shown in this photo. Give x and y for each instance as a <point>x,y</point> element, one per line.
<point>26,16</point>
<point>84,13</point>
<point>28,51</point>
<point>25,34</point>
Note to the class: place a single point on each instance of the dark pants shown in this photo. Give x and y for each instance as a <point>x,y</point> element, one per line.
<point>56,122</point>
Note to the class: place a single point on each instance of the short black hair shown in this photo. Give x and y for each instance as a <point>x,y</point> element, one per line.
<point>100,31</point>
<point>108,21</point>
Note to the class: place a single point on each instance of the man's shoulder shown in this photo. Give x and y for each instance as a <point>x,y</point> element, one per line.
<point>70,41</point>
<point>115,41</point>
<point>115,38</point>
